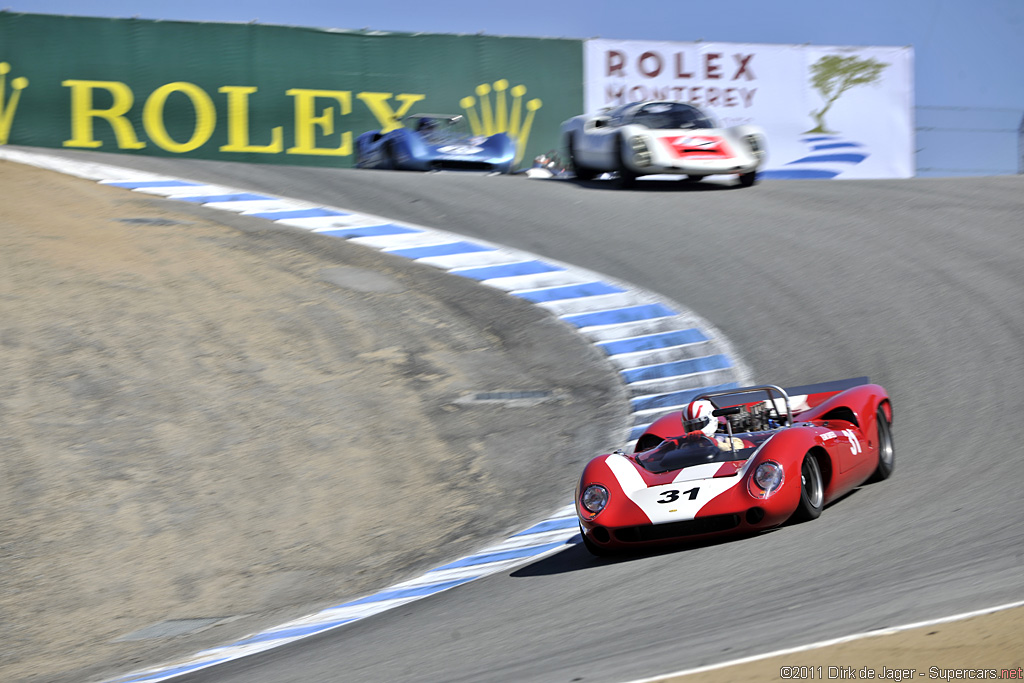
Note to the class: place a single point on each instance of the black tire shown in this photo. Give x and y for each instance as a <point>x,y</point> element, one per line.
<point>748,179</point>
<point>390,156</point>
<point>581,172</point>
<point>593,548</point>
<point>627,177</point>
<point>886,452</point>
<point>692,179</point>
<point>812,491</point>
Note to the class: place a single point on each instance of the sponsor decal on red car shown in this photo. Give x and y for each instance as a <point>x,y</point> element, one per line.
<point>697,147</point>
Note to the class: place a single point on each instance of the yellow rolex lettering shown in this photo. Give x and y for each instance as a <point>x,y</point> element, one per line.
<point>377,103</point>
<point>8,108</point>
<point>153,117</point>
<point>307,121</point>
<point>83,112</point>
<point>238,123</point>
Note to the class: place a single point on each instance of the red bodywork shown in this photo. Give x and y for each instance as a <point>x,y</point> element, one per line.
<point>839,428</point>
<point>697,147</point>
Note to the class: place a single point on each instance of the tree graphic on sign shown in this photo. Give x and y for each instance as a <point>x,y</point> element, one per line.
<point>832,75</point>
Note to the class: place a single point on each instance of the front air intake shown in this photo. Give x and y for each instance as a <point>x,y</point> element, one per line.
<point>690,527</point>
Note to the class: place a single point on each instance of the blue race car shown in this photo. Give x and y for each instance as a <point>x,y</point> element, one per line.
<point>428,142</point>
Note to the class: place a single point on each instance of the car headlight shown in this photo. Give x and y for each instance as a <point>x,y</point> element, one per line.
<point>594,498</point>
<point>641,154</point>
<point>767,479</point>
<point>754,142</point>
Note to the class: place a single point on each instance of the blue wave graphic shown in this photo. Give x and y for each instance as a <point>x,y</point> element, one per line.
<point>817,165</point>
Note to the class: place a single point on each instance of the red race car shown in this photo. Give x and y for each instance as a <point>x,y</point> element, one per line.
<point>737,461</point>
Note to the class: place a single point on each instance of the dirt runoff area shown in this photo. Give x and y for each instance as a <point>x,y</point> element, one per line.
<point>206,416</point>
<point>986,647</point>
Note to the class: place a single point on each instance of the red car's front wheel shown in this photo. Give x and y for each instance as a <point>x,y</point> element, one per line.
<point>593,548</point>
<point>812,491</point>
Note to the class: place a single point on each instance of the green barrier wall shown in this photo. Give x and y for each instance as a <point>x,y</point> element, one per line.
<point>268,94</point>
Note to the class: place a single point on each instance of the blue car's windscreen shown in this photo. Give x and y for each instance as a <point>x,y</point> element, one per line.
<point>437,130</point>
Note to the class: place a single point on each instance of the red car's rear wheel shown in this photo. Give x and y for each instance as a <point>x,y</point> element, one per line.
<point>886,453</point>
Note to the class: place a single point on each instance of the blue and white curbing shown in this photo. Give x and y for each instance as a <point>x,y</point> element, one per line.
<point>665,356</point>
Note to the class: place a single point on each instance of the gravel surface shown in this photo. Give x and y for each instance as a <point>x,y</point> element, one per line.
<point>209,417</point>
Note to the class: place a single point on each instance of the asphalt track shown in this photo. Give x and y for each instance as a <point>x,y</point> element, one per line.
<point>917,284</point>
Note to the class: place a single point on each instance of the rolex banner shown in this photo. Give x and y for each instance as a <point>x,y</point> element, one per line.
<point>272,94</point>
<point>827,111</point>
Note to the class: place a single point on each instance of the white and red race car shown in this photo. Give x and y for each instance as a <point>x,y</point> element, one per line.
<point>661,137</point>
<point>729,465</point>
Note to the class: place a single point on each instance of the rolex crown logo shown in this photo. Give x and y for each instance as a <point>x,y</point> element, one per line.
<point>9,106</point>
<point>501,116</point>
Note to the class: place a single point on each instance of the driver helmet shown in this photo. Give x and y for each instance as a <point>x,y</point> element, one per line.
<point>697,417</point>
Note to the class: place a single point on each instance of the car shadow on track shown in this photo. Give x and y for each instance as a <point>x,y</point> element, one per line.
<point>575,557</point>
<point>654,185</point>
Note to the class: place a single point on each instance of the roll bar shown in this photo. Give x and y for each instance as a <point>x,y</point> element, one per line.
<point>769,389</point>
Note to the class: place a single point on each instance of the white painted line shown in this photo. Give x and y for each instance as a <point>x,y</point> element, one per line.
<point>833,641</point>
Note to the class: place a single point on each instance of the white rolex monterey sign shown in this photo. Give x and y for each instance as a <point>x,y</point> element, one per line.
<point>827,111</point>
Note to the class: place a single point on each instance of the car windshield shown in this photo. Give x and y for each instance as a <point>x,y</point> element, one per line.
<point>687,451</point>
<point>438,129</point>
<point>671,115</point>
